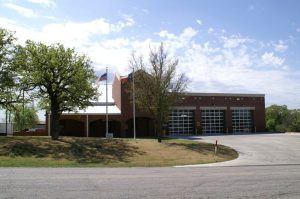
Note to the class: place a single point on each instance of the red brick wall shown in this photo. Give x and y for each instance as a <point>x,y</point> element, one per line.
<point>38,132</point>
<point>229,101</point>
<point>116,92</point>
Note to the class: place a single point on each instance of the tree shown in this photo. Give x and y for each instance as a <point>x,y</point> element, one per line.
<point>24,119</point>
<point>295,120</point>
<point>60,77</point>
<point>278,118</point>
<point>157,87</point>
<point>8,86</point>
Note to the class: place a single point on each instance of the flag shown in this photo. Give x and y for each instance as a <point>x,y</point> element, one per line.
<point>126,78</point>
<point>130,77</point>
<point>102,77</point>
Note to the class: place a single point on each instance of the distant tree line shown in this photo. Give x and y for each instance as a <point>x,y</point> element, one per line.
<point>281,119</point>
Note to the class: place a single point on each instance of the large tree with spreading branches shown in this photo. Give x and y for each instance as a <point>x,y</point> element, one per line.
<point>61,78</point>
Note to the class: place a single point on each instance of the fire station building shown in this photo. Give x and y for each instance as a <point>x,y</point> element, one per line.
<point>197,113</point>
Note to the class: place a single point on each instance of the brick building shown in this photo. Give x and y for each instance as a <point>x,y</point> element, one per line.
<point>198,113</point>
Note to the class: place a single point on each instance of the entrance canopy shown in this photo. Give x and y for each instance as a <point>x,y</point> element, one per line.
<point>99,105</point>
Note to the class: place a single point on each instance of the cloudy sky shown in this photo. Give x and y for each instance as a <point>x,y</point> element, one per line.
<point>223,46</point>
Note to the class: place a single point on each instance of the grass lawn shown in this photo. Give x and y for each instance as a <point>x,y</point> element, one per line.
<point>98,152</point>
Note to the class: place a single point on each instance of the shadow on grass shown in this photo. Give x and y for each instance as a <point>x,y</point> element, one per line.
<point>74,149</point>
<point>206,148</point>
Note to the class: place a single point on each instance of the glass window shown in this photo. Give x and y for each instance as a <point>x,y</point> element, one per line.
<point>241,121</point>
<point>212,121</point>
<point>181,121</point>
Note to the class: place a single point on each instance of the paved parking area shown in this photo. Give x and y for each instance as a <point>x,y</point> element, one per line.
<point>258,149</point>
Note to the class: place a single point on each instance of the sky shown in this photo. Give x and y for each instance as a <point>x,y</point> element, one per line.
<point>248,46</point>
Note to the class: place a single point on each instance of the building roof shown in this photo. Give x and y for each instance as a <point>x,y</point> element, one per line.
<point>99,107</point>
<point>225,94</point>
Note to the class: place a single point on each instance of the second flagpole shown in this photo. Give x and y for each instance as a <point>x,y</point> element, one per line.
<point>106,132</point>
<point>134,130</point>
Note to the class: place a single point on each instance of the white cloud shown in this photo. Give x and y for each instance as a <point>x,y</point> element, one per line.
<point>280,46</point>
<point>199,22</point>
<point>235,41</point>
<point>26,12</point>
<point>166,34</point>
<point>7,23</point>
<point>47,3</point>
<point>210,30</point>
<point>21,10</point>
<point>271,59</point>
<point>129,21</point>
<point>176,42</point>
<point>74,33</point>
<point>188,33</point>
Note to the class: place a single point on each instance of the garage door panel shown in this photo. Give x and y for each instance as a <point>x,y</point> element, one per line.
<point>212,121</point>
<point>242,120</point>
<point>181,121</point>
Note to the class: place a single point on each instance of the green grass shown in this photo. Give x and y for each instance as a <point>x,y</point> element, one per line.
<point>98,152</point>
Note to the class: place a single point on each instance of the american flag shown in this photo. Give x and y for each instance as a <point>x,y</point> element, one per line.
<point>102,77</point>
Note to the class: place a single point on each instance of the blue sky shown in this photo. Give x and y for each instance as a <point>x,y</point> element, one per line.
<point>248,46</point>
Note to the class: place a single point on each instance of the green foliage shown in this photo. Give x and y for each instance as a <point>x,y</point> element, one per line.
<point>271,124</point>
<point>60,77</point>
<point>281,119</point>
<point>157,87</point>
<point>295,121</point>
<point>24,120</point>
<point>7,73</point>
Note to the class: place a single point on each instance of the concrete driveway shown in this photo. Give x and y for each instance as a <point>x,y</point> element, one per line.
<point>258,149</point>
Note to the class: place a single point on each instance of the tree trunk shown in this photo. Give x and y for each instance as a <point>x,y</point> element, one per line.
<point>158,131</point>
<point>54,124</point>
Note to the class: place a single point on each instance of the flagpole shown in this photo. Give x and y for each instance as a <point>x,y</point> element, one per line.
<point>133,100</point>
<point>106,132</point>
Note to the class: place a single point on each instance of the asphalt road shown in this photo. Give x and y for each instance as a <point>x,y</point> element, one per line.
<point>202,182</point>
<point>268,167</point>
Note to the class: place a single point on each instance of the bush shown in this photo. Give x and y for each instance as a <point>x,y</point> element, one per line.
<point>281,119</point>
<point>271,124</point>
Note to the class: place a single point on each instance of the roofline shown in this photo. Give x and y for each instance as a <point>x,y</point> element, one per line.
<point>225,94</point>
<point>102,103</point>
<point>90,114</point>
